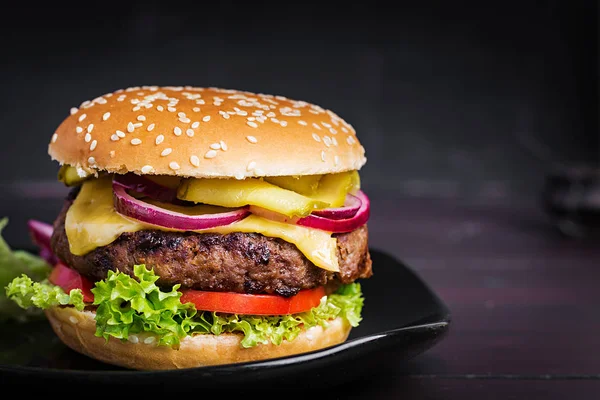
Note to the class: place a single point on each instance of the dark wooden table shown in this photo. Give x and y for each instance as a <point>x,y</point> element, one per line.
<point>525,300</point>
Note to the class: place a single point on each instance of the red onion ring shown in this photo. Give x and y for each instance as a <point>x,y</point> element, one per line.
<point>148,187</point>
<point>348,210</point>
<point>131,207</point>
<point>41,232</point>
<point>340,225</point>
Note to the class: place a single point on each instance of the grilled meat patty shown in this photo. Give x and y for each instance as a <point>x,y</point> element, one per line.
<point>236,262</point>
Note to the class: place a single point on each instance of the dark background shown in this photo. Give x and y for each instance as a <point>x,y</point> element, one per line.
<point>466,100</point>
<point>464,108</point>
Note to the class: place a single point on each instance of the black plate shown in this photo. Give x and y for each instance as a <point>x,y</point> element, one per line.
<point>402,317</point>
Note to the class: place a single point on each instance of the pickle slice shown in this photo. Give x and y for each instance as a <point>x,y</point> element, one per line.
<point>333,188</point>
<point>306,184</point>
<point>69,175</point>
<point>251,191</point>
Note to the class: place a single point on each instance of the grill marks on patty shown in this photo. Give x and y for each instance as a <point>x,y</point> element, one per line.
<point>237,262</point>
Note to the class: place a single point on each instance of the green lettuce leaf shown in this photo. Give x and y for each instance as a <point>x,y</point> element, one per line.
<point>130,306</point>
<point>14,263</point>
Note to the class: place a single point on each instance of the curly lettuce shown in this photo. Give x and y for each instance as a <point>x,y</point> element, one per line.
<point>13,263</point>
<point>128,306</point>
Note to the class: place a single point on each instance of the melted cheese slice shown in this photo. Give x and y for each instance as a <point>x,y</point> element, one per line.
<point>92,222</point>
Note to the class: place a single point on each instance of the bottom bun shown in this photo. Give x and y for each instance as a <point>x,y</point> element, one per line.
<point>77,330</point>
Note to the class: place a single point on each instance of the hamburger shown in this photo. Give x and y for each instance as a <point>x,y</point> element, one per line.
<point>203,226</point>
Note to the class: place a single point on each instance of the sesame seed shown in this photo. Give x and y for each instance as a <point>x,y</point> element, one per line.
<point>173,165</point>
<point>106,116</point>
<point>323,155</point>
<point>147,169</point>
<point>215,146</point>
<point>74,110</point>
<point>344,130</point>
<point>251,118</point>
<point>327,141</point>
<point>316,126</point>
<point>252,124</point>
<point>224,114</point>
<point>334,141</point>
<point>189,132</point>
<point>336,160</point>
<point>150,127</point>
<point>151,339</point>
<point>73,319</point>
<point>302,122</point>
<point>195,125</point>
<point>79,129</point>
<point>239,175</point>
<point>91,160</point>
<point>350,140</point>
<point>112,154</point>
<point>316,137</point>
<point>133,339</point>
<point>160,108</point>
<point>242,113</point>
<point>185,120</point>
<point>196,109</point>
<point>283,123</point>
<point>90,128</point>
<point>251,139</point>
<point>137,124</point>
<point>223,145</point>
<point>136,141</point>
<point>54,137</point>
<point>166,152</point>
<point>82,117</point>
<point>130,127</point>
<point>159,139</point>
<point>141,118</point>
<point>274,120</point>
<point>93,145</point>
<point>87,137</point>
<point>177,131</point>
<point>326,125</point>
<point>271,114</point>
<point>333,131</point>
<point>206,118</point>
<point>171,109</point>
<point>195,161</point>
<point>120,134</point>
<point>114,137</point>
<point>210,154</point>
<point>251,165</point>
<point>181,114</point>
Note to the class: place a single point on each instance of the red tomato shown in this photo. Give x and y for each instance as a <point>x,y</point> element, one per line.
<point>255,304</point>
<point>67,278</point>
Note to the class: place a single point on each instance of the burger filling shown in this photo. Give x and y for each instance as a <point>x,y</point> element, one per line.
<point>171,258</point>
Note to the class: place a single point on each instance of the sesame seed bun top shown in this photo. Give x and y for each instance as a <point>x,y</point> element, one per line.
<point>205,132</point>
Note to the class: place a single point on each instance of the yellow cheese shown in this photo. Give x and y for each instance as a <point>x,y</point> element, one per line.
<point>92,222</point>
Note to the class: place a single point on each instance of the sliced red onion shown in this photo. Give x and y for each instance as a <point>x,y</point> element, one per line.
<point>131,207</point>
<point>350,208</point>
<point>148,187</point>
<point>340,225</point>
<point>41,233</point>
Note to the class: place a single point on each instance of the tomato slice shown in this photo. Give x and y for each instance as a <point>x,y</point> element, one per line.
<point>67,278</point>
<point>255,304</point>
<point>226,302</point>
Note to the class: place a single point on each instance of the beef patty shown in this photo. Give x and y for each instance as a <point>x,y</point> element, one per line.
<point>236,262</point>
